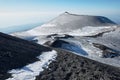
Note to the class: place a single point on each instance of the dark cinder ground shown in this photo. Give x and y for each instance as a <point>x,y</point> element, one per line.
<point>69,66</point>
<point>16,53</point>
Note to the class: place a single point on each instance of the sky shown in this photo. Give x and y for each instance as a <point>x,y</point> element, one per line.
<point>17,12</point>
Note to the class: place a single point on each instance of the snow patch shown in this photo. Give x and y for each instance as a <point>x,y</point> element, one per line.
<point>90,31</point>
<point>93,52</point>
<point>74,48</point>
<point>85,46</point>
<point>29,72</point>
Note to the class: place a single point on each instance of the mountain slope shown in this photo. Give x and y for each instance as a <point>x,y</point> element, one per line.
<point>96,36</point>
<point>67,22</point>
<point>16,56</point>
<point>69,66</point>
<point>16,53</point>
<point>90,37</point>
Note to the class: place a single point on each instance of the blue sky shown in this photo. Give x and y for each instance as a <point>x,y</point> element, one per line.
<point>15,12</point>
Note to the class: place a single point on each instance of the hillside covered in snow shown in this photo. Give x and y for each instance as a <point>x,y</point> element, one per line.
<point>71,46</point>
<point>25,60</point>
<point>97,36</point>
<point>68,23</point>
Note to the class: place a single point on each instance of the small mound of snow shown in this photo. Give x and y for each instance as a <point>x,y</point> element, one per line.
<point>29,72</point>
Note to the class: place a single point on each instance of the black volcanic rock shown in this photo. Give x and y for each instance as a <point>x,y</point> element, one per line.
<point>69,66</point>
<point>16,53</point>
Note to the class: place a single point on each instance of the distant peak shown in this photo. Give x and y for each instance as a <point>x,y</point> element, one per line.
<point>66,12</point>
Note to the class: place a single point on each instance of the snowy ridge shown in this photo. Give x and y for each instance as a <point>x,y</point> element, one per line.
<point>29,72</point>
<point>110,39</point>
<point>92,31</point>
<point>85,31</point>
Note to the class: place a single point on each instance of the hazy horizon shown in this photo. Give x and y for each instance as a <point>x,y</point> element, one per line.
<point>17,12</point>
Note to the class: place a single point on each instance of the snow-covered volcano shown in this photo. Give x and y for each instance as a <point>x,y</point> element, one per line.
<point>66,23</point>
<point>78,44</point>
<point>94,36</point>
